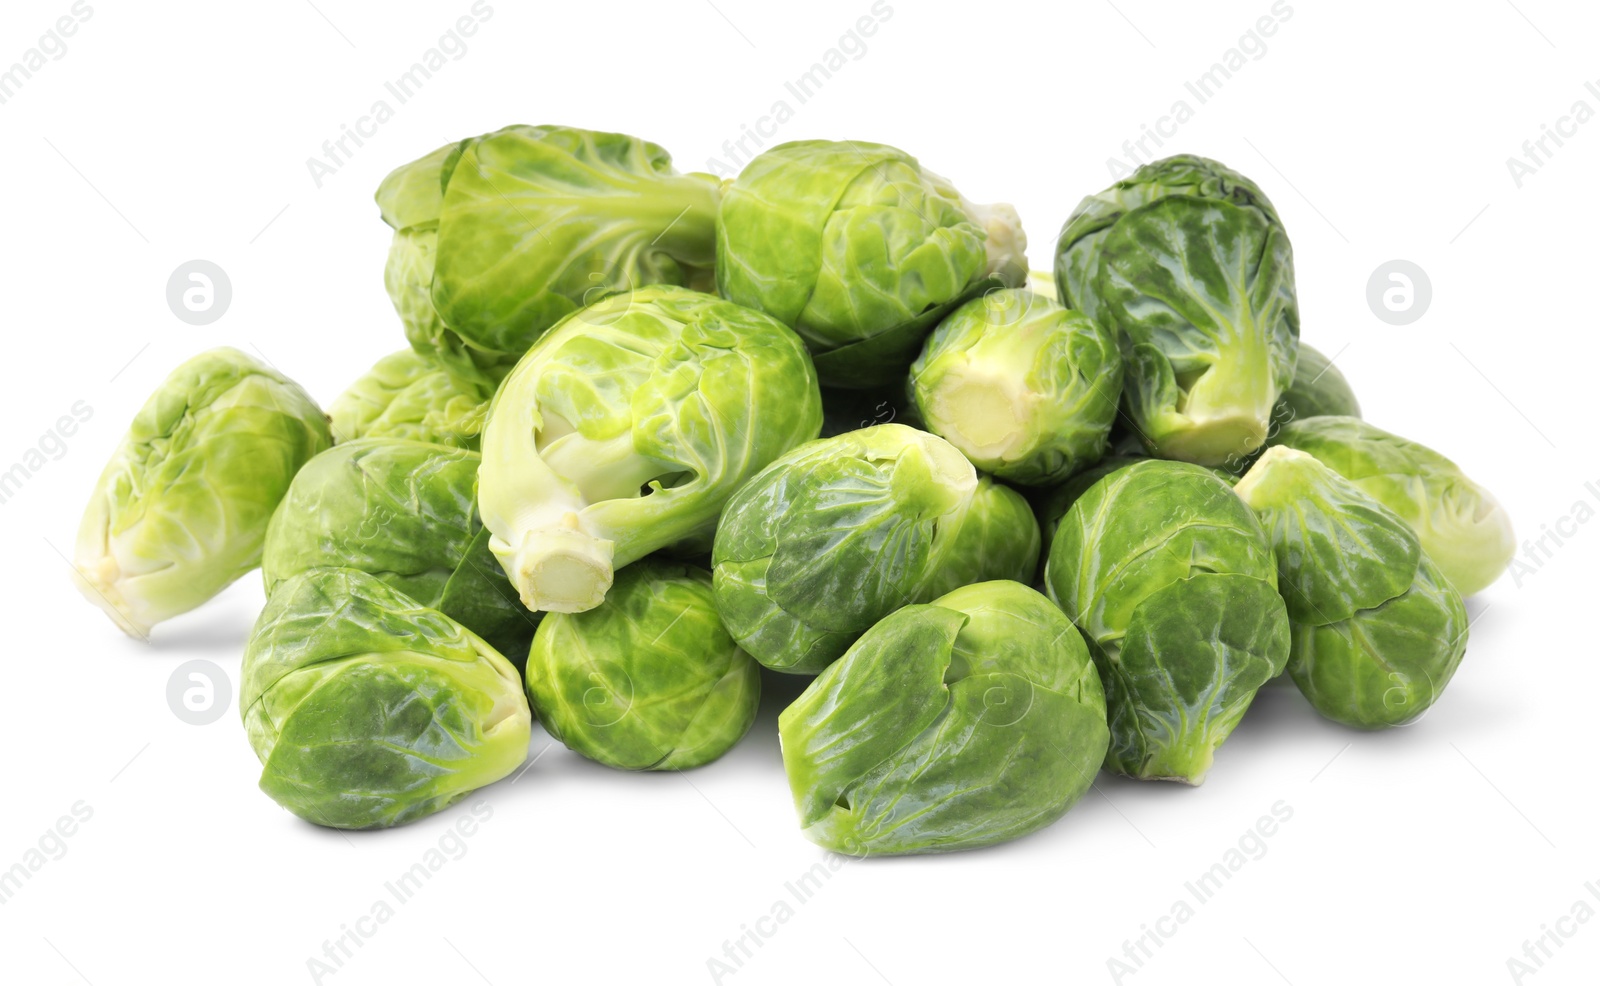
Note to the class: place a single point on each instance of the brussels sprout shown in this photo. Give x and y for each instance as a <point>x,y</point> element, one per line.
<point>1172,580</point>
<point>1377,631</point>
<point>972,720</point>
<point>838,534</point>
<point>860,250</point>
<point>1190,261</point>
<point>368,709</point>
<point>647,680</point>
<point>627,428</point>
<point>406,513</point>
<point>1053,505</point>
<point>498,237</point>
<point>181,509</point>
<point>1462,527</point>
<point>403,396</point>
<point>1025,388</point>
<point>1318,389</point>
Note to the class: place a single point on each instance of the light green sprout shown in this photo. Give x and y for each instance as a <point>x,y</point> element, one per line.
<point>499,237</point>
<point>626,429</point>
<point>181,510</point>
<point>647,680</point>
<point>404,396</point>
<point>861,250</point>
<point>1462,527</point>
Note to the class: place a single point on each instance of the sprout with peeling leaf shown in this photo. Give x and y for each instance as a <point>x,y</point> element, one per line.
<point>499,237</point>
<point>626,429</point>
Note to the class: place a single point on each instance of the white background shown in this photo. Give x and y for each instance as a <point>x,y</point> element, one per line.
<point>1428,854</point>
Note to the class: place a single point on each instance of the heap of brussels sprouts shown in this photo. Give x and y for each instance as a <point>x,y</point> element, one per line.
<point>1052,528</point>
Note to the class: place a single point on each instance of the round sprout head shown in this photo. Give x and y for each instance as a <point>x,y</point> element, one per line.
<point>860,249</point>
<point>647,680</point>
<point>1025,388</point>
<point>841,532</point>
<point>626,429</point>
<point>968,721</point>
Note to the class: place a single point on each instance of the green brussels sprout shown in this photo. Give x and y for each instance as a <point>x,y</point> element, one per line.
<point>647,680</point>
<point>1053,505</point>
<point>969,721</point>
<point>181,510</point>
<point>499,237</point>
<point>1462,527</point>
<point>1318,389</point>
<point>860,250</point>
<point>1172,580</point>
<point>1190,262</point>
<point>1376,630</point>
<point>838,534</point>
<point>406,513</point>
<point>368,709</point>
<point>625,430</point>
<point>1025,388</point>
<point>404,396</point>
